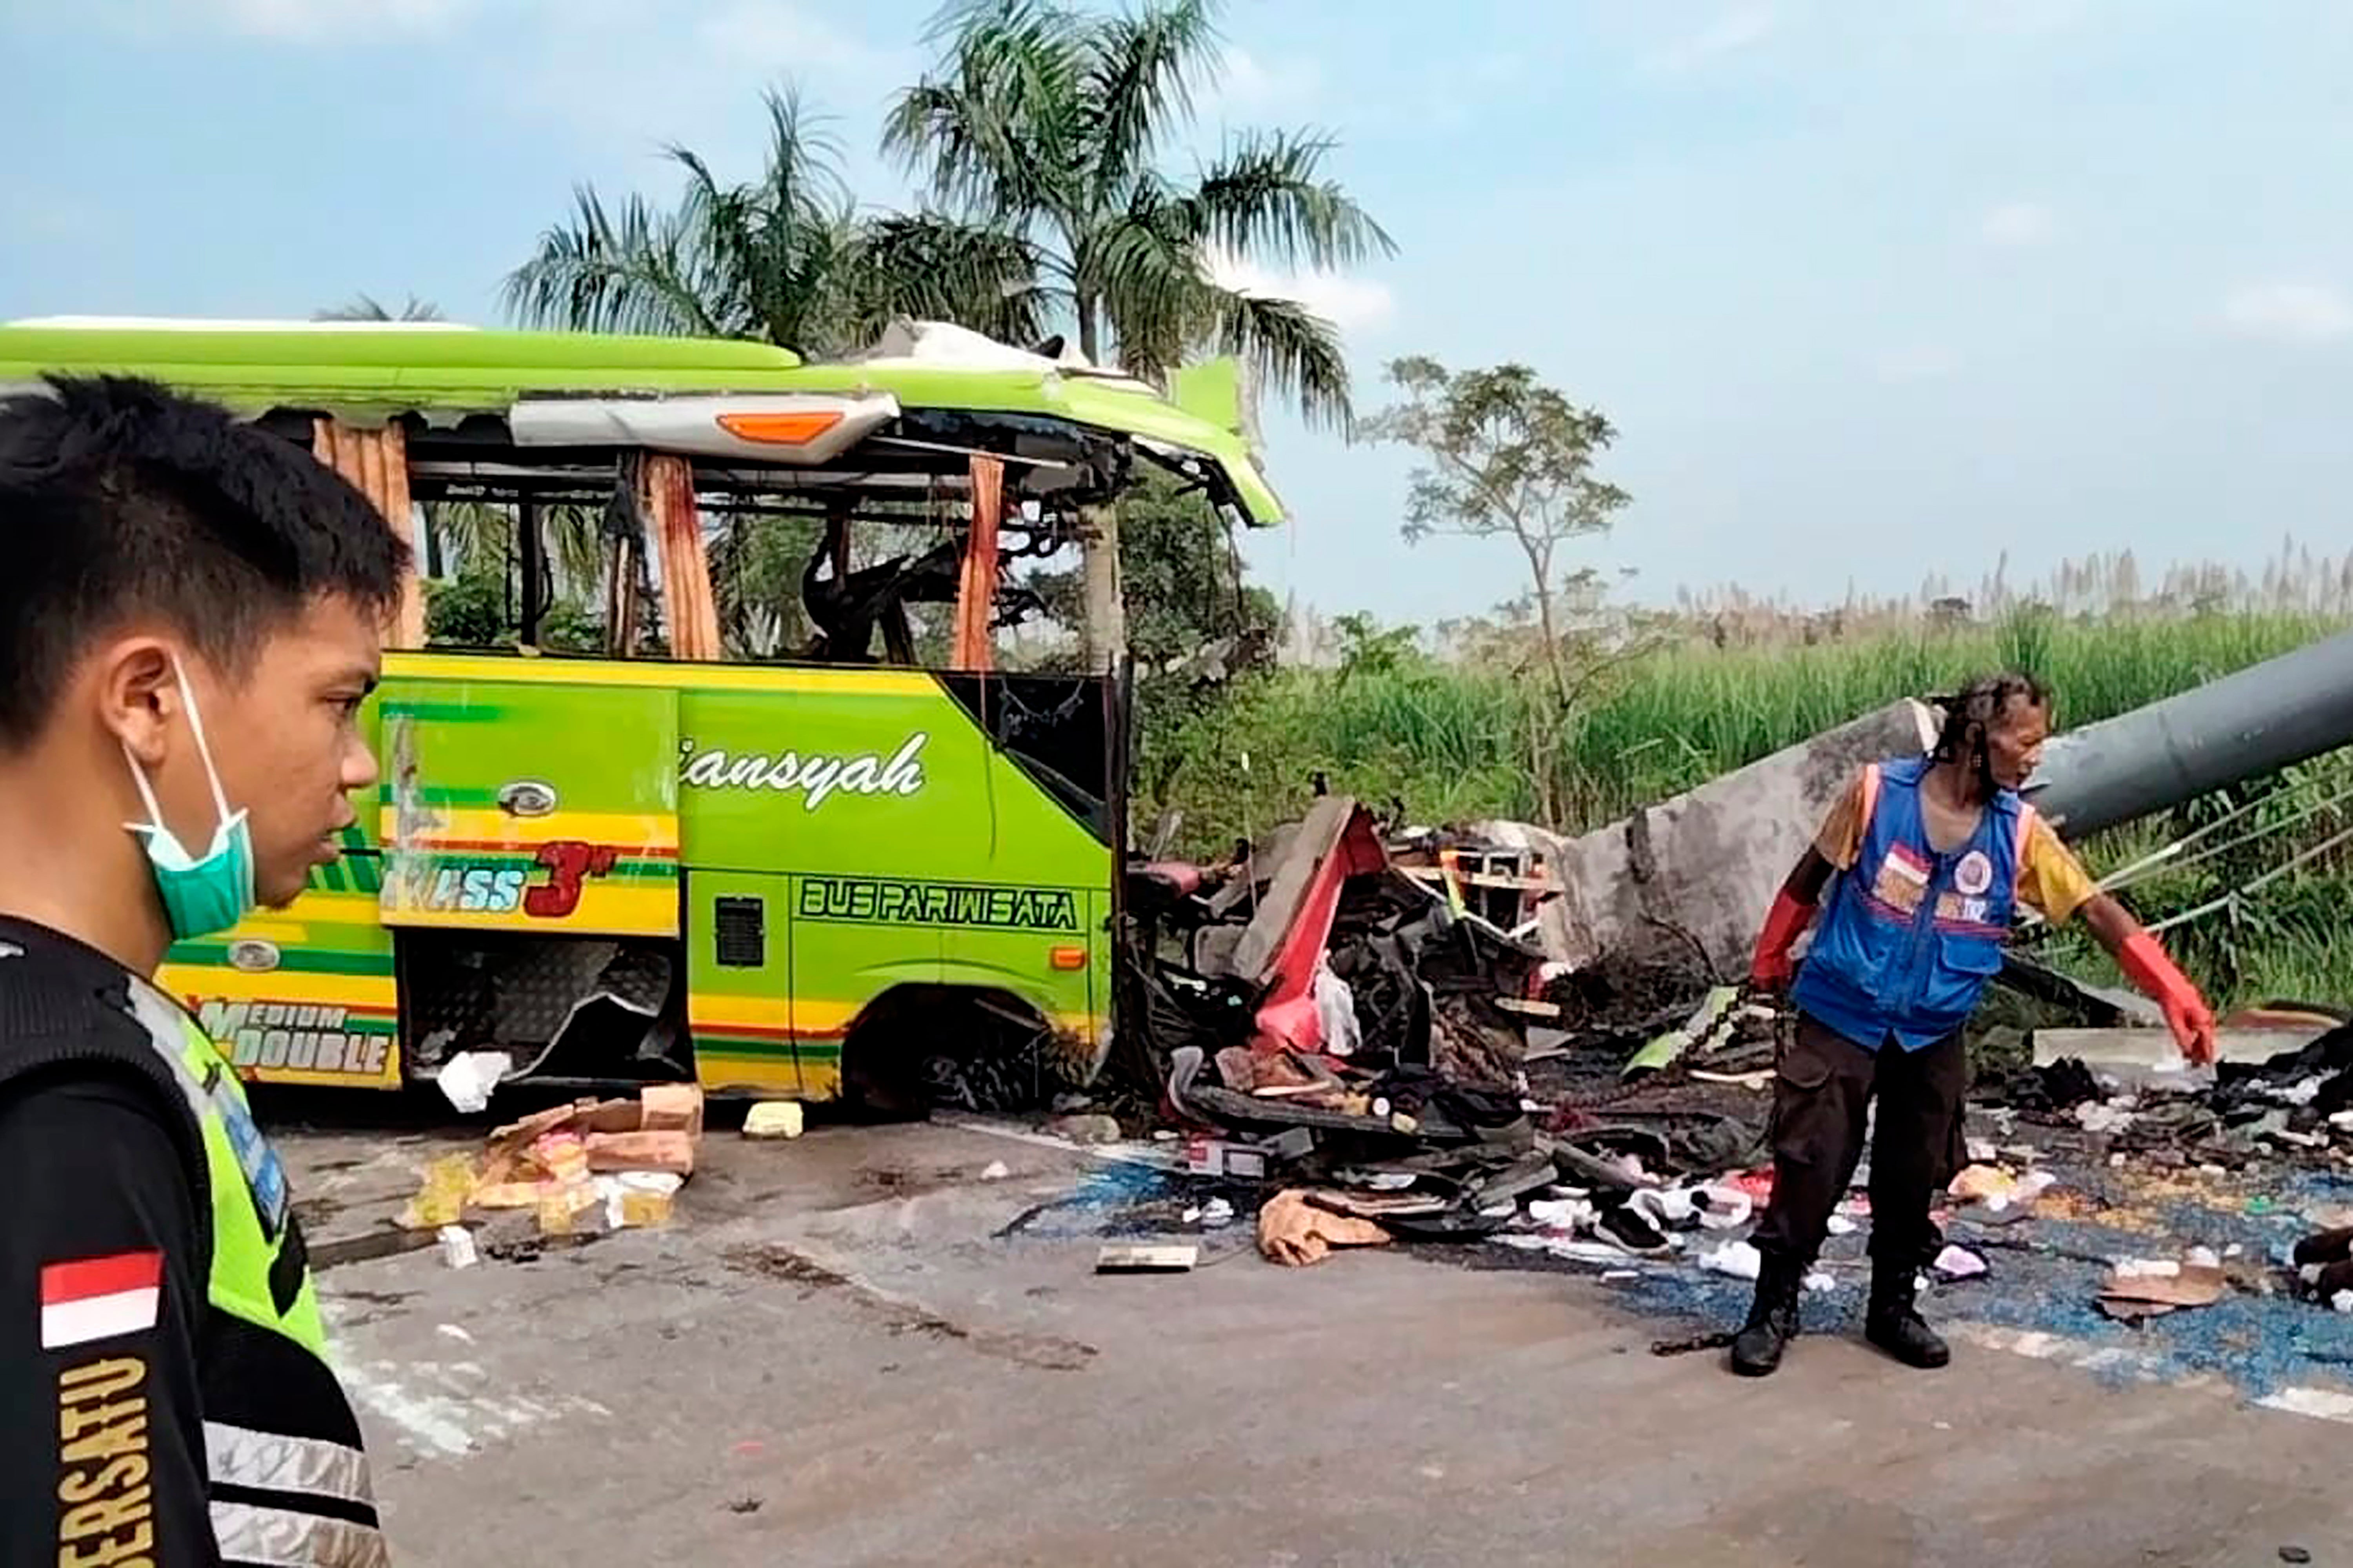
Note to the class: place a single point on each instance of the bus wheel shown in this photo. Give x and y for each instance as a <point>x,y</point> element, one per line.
<point>921,1048</point>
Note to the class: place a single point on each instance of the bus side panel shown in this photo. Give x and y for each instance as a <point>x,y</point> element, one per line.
<point>917,853</point>
<point>306,994</point>
<point>813,778</point>
<point>739,981</point>
<point>525,805</point>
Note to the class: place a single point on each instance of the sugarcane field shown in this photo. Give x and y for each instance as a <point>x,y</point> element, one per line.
<point>1037,781</point>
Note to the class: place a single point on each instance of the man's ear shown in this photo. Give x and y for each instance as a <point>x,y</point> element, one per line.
<point>138,694</point>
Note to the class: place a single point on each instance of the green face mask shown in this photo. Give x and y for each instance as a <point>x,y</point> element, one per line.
<point>203,896</point>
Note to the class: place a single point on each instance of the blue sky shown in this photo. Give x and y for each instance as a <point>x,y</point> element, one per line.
<point>1873,291</point>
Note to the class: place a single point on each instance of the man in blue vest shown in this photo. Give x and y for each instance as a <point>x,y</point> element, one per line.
<point>1926,859</point>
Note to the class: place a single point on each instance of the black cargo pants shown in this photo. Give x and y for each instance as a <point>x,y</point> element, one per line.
<point>1822,1092</point>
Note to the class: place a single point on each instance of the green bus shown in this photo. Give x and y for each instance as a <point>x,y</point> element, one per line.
<point>748,873</point>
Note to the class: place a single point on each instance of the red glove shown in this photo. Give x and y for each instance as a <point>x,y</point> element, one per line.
<point>1771,970</point>
<point>2145,964</point>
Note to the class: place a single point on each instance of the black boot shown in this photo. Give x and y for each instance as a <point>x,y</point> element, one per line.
<point>1894,1323</point>
<point>1772,1318</point>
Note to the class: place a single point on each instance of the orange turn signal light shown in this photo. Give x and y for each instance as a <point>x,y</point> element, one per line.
<point>790,429</point>
<point>1070,958</point>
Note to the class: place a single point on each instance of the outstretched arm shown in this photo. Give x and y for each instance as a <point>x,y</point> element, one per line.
<point>2055,882</point>
<point>2147,965</point>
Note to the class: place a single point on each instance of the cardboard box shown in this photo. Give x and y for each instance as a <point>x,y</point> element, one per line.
<point>671,1151</point>
<point>673,1108</point>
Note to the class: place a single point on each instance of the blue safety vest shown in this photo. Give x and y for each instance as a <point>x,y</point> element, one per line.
<point>1908,938</point>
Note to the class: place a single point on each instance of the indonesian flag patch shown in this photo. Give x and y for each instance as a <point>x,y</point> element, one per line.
<point>100,1298</point>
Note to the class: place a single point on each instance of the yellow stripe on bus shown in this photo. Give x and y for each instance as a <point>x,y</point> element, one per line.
<point>375,991</point>
<point>473,825</point>
<point>715,1069</point>
<point>388,1078</point>
<point>816,1018</point>
<point>709,1010</point>
<point>475,669</point>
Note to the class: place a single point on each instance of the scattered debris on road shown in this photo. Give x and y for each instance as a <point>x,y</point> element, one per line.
<point>1293,1229</point>
<point>1609,1113</point>
<point>580,1169</point>
<point>774,1118</point>
<point>1137,1257</point>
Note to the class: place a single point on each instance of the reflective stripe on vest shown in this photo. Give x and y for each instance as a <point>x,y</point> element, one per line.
<point>249,1198</point>
<point>245,1459</point>
<point>280,1499</point>
<point>281,1538</point>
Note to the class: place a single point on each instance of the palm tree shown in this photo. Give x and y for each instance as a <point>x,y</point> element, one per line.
<point>364,307</point>
<point>1048,123</point>
<point>787,258</point>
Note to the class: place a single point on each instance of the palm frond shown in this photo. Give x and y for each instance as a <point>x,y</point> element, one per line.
<point>1265,198</point>
<point>365,308</point>
<point>478,537</point>
<point>1289,346</point>
<point>600,274</point>
<point>997,129</point>
<point>574,537</point>
<point>716,246</point>
<point>930,267</point>
<point>1155,294</point>
<point>1140,76</point>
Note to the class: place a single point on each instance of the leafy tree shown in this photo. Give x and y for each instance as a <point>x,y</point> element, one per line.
<point>755,579</point>
<point>473,609</point>
<point>1194,626</point>
<point>1507,457</point>
<point>1048,123</point>
<point>786,259</point>
<point>1369,650</point>
<point>1188,608</point>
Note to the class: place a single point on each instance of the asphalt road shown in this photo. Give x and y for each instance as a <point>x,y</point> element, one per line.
<point>853,1349</point>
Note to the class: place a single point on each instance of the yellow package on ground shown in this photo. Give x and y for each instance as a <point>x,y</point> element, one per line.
<point>1292,1231</point>
<point>449,1181</point>
<point>571,1208</point>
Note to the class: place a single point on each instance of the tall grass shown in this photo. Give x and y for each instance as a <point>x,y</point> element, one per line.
<point>1455,742</point>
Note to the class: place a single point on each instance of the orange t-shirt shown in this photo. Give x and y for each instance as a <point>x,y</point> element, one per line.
<point>2050,878</point>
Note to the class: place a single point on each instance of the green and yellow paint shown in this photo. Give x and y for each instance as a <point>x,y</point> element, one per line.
<point>876,835</point>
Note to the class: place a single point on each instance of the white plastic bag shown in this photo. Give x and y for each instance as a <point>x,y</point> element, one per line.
<point>1336,1009</point>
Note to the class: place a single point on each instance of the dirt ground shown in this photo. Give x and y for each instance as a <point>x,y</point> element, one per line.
<point>864,1347</point>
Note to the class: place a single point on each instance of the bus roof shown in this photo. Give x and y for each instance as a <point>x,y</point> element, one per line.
<point>372,371</point>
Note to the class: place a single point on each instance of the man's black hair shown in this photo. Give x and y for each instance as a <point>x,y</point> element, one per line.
<point>121,501</point>
<point>1983,702</point>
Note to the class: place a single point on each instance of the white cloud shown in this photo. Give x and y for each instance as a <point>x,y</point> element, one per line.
<point>1350,304</point>
<point>622,78</point>
<point>2289,312</point>
<point>2018,19</point>
<point>1736,31</point>
<point>2017,223</point>
<point>791,39</point>
<point>1916,365</point>
<point>1246,85</point>
<point>298,21</point>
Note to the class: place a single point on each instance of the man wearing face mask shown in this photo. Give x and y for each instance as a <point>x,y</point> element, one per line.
<point>1926,859</point>
<point>190,617</point>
